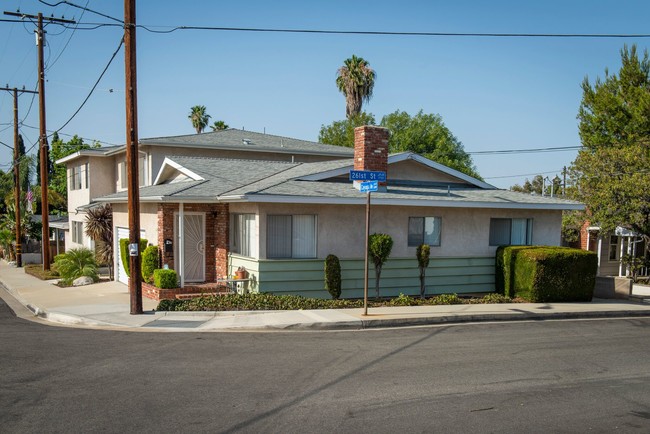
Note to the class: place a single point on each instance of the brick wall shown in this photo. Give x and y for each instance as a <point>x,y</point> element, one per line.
<point>371,148</point>
<point>217,222</point>
<point>584,235</point>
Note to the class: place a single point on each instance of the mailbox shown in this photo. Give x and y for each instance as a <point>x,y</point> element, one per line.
<point>169,246</point>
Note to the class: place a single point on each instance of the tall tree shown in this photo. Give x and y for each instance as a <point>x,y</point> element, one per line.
<point>219,126</point>
<point>199,118</point>
<point>355,80</point>
<point>341,133</point>
<point>611,169</point>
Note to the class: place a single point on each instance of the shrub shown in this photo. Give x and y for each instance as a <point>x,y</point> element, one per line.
<point>333,276</point>
<point>491,299</point>
<point>504,277</point>
<point>379,248</point>
<point>150,262</point>
<point>76,263</point>
<point>554,274</point>
<point>422,253</point>
<point>403,300</point>
<point>446,299</point>
<point>165,279</point>
<point>124,253</point>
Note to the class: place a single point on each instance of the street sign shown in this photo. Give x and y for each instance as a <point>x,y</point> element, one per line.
<point>367,175</point>
<point>368,186</point>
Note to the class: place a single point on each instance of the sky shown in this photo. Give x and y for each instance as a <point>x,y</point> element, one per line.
<point>492,93</point>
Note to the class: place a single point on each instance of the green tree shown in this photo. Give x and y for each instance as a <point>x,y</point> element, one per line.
<point>219,126</point>
<point>427,135</point>
<point>199,118</point>
<point>379,248</point>
<point>356,80</point>
<point>341,133</point>
<point>611,169</point>
<point>424,134</point>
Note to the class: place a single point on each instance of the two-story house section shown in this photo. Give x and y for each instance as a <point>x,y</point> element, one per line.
<point>94,173</point>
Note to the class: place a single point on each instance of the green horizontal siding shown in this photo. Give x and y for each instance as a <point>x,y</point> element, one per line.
<point>400,275</point>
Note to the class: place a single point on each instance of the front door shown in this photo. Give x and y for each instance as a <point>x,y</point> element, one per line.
<point>194,246</point>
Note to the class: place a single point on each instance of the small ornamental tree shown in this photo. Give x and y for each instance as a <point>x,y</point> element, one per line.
<point>150,262</point>
<point>422,254</point>
<point>379,248</point>
<point>333,276</point>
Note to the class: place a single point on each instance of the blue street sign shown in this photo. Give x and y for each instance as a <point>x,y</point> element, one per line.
<point>367,175</point>
<point>368,186</point>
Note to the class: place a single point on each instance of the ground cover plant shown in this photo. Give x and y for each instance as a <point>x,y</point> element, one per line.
<point>36,270</point>
<point>294,302</point>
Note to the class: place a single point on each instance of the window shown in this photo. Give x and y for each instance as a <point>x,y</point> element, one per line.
<point>291,236</point>
<point>511,232</point>
<point>424,230</point>
<point>79,177</point>
<point>242,234</point>
<point>122,175</point>
<point>77,232</point>
<point>142,170</point>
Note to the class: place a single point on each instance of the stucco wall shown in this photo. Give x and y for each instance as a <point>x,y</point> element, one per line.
<point>148,219</point>
<point>465,232</point>
<point>102,176</point>
<point>410,170</point>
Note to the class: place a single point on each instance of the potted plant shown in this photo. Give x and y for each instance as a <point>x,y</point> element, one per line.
<point>241,273</point>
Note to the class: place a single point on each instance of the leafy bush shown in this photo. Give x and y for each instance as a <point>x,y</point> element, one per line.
<point>379,248</point>
<point>124,253</point>
<point>546,274</point>
<point>403,300</point>
<point>333,276</point>
<point>76,263</point>
<point>150,262</point>
<point>422,253</point>
<point>491,299</point>
<point>165,279</point>
<point>446,299</point>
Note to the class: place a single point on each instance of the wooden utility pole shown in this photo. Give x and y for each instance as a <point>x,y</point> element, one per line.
<point>19,247</point>
<point>135,276</point>
<point>45,208</point>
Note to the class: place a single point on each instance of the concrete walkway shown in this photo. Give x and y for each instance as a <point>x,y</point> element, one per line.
<point>106,305</point>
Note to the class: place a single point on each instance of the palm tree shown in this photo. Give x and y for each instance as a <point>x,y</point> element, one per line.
<point>219,125</point>
<point>199,118</point>
<point>99,227</point>
<point>355,80</point>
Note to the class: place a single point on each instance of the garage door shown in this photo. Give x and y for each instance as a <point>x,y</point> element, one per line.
<point>121,272</point>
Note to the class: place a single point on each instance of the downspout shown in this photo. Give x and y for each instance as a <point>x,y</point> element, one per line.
<point>600,251</point>
<point>181,243</point>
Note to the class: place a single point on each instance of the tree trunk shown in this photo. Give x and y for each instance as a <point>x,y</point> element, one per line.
<point>377,276</point>
<point>422,288</point>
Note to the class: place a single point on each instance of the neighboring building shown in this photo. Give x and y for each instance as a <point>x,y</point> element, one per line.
<point>611,247</point>
<point>99,172</point>
<point>280,219</point>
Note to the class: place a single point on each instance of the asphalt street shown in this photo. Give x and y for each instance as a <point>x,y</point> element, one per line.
<point>542,376</point>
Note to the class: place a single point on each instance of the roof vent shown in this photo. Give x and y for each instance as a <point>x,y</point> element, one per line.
<point>246,141</point>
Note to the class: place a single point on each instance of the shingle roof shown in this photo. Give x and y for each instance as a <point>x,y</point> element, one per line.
<point>262,181</point>
<point>233,139</point>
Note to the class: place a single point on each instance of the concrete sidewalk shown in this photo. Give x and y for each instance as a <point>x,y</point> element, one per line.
<point>106,305</point>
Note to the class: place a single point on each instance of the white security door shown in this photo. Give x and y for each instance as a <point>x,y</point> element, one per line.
<point>194,246</point>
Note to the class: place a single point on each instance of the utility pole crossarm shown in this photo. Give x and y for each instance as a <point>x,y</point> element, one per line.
<point>35,17</point>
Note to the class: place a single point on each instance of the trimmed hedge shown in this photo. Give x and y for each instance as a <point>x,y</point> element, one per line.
<point>333,276</point>
<point>124,253</point>
<point>546,274</point>
<point>165,279</point>
<point>150,262</point>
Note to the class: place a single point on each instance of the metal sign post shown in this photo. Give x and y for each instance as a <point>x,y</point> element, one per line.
<point>365,266</point>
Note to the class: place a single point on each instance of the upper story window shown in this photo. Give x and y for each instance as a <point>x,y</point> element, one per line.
<point>121,168</point>
<point>142,172</point>
<point>511,232</point>
<point>424,230</point>
<point>79,177</point>
<point>291,236</point>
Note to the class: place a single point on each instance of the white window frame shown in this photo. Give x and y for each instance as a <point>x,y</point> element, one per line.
<point>245,222</point>
<point>423,236</point>
<point>121,175</point>
<point>295,238</point>
<point>529,232</point>
<point>77,232</point>
<point>76,177</point>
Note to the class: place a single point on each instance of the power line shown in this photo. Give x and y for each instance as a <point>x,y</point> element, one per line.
<point>94,86</point>
<point>525,151</point>
<point>83,8</point>
<point>69,39</point>
<point>523,174</point>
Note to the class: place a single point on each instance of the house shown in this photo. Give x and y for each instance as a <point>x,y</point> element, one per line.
<point>280,218</point>
<point>612,247</point>
<point>93,173</point>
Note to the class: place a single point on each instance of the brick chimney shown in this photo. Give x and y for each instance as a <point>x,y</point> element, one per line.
<point>371,149</point>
